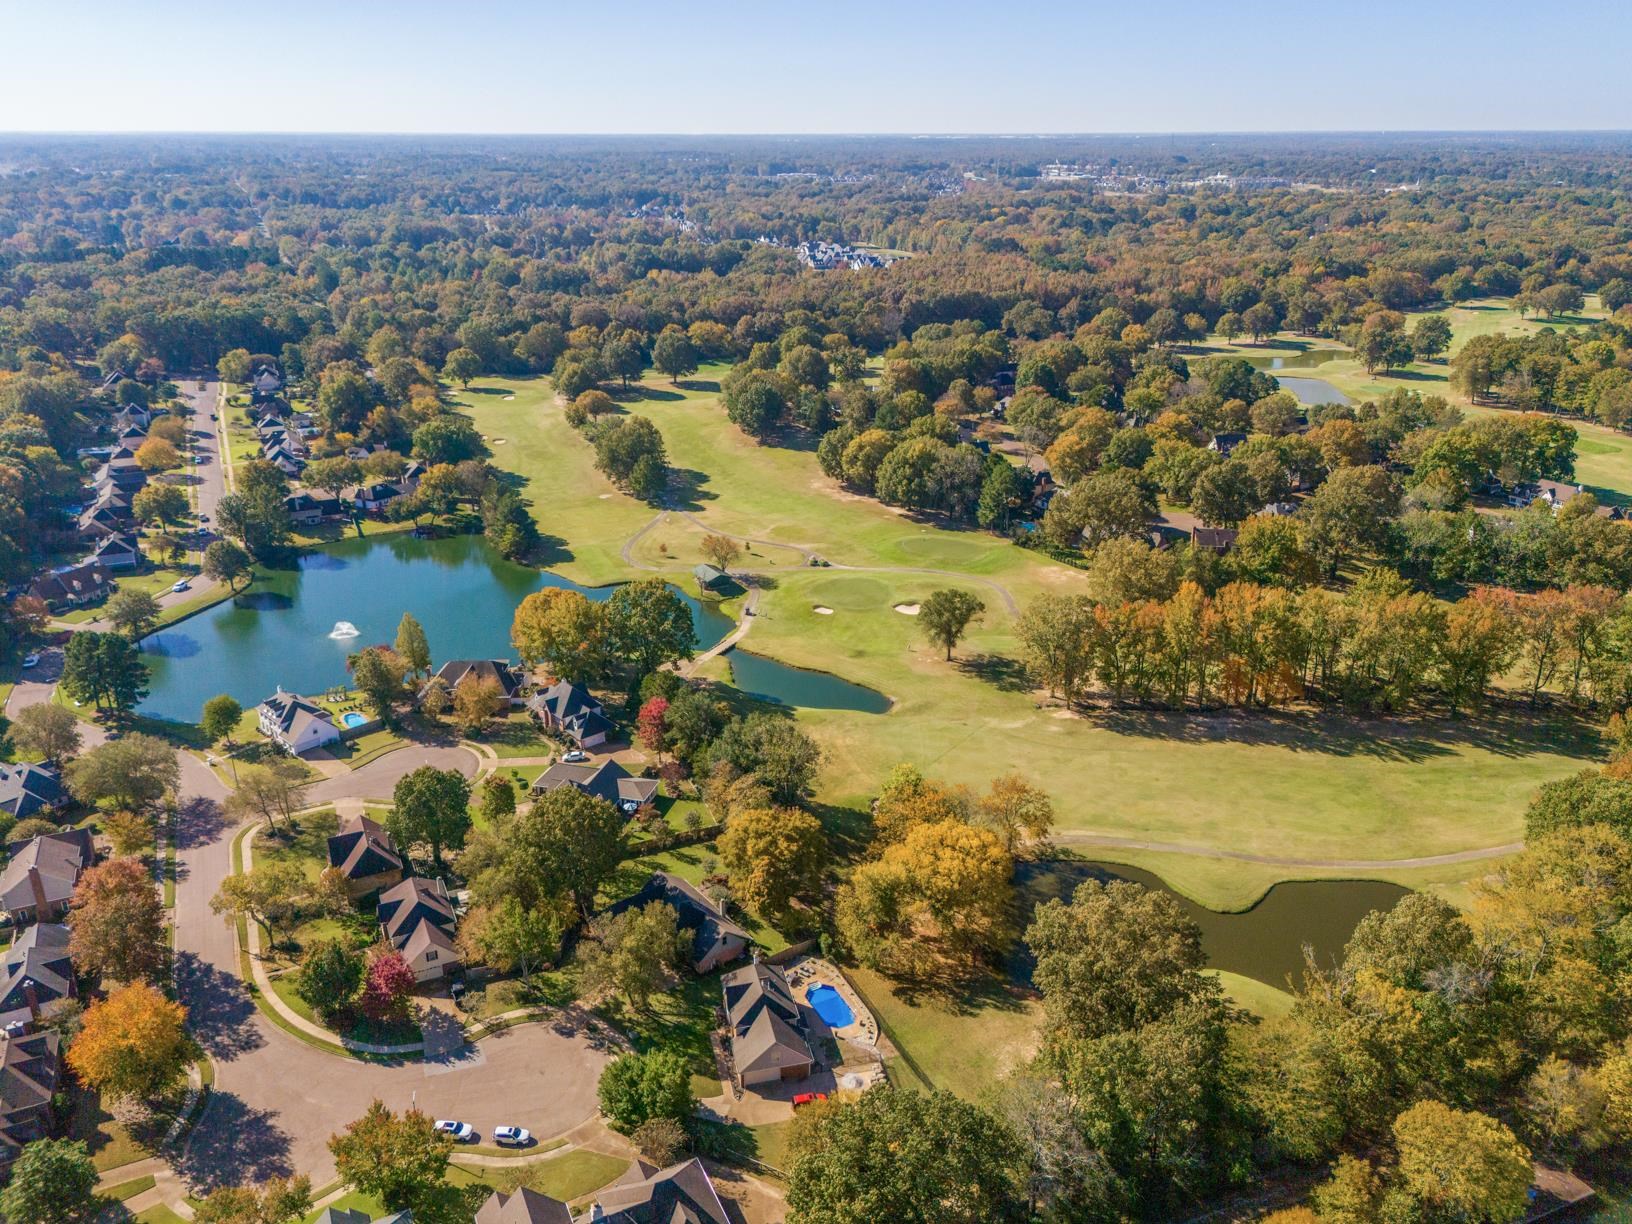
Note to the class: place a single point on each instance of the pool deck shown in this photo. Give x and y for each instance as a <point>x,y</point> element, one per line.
<point>811,971</point>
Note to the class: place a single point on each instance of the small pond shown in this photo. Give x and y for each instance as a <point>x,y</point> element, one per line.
<point>784,685</point>
<point>1312,390</point>
<point>1265,942</point>
<point>296,627</point>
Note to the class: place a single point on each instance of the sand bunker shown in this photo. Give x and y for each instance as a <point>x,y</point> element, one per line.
<point>500,441</point>
<point>509,397</point>
<point>821,611</point>
<point>907,609</point>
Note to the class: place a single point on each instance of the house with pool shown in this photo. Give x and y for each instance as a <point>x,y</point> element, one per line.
<point>300,725</point>
<point>768,1028</point>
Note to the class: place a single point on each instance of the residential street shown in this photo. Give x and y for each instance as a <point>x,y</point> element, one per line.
<point>276,1100</point>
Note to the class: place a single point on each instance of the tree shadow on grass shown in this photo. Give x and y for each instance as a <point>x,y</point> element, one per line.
<point>1000,671</point>
<point>1506,729</point>
<point>687,489</point>
<point>637,392</point>
<point>955,993</point>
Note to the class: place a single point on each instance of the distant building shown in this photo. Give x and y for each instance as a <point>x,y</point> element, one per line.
<point>417,917</point>
<point>36,976</point>
<point>499,671</point>
<point>307,508</point>
<point>767,1038</point>
<point>363,852</point>
<point>680,1194</point>
<point>711,578</point>
<point>72,586</point>
<point>1213,539</point>
<point>29,1075</point>
<point>30,790</point>
<point>39,879</point>
<point>295,724</point>
<point>571,710</point>
<point>115,551</point>
<point>608,780</point>
<point>715,939</point>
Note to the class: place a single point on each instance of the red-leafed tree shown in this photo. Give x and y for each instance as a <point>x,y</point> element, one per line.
<point>652,723</point>
<point>388,988</point>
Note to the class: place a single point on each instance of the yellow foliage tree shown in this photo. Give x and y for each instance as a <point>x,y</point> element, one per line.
<point>133,1044</point>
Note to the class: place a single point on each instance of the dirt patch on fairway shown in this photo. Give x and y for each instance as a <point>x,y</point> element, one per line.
<point>907,609</point>
<point>821,611</point>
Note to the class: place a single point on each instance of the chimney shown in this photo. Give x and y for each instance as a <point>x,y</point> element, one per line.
<point>33,998</point>
<point>36,884</point>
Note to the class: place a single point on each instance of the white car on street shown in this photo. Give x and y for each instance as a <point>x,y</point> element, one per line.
<point>459,1132</point>
<point>575,757</point>
<point>512,1136</point>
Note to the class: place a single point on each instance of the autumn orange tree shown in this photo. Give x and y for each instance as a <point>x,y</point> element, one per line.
<point>133,1044</point>
<point>118,922</point>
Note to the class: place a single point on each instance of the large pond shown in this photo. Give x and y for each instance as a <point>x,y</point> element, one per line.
<point>283,631</point>
<point>1265,942</point>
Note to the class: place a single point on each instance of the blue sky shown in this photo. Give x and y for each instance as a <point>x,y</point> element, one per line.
<point>638,66</point>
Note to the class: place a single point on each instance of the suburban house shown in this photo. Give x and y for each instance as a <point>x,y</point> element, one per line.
<point>608,780</point>
<point>711,578</point>
<point>767,1029</point>
<point>307,508</point>
<point>116,551</point>
<point>680,1194</point>
<point>523,1207</point>
<point>350,1215</point>
<point>715,939</point>
<point>371,497</point>
<point>411,474</point>
<point>285,462</point>
<point>121,471</point>
<point>498,671</point>
<point>132,416</point>
<point>1224,443</point>
<point>1213,539</point>
<point>418,919</point>
<point>72,585</point>
<point>35,974</point>
<point>30,790</point>
<point>363,852</point>
<point>39,879</point>
<point>264,384</point>
<point>105,516</point>
<point>295,724</point>
<point>572,711</point>
<point>29,1073</point>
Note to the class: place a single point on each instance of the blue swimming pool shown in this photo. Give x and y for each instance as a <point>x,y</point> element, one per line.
<point>830,1006</point>
<point>353,719</point>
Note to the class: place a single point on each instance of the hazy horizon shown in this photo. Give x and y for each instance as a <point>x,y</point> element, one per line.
<point>504,67</point>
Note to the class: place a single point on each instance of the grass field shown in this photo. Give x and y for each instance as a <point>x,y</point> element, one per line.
<point>1300,786</point>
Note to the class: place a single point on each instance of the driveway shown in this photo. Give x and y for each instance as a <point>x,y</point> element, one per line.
<point>379,777</point>
<point>277,1100</point>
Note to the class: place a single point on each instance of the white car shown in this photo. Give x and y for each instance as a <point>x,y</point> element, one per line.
<point>31,660</point>
<point>575,757</point>
<point>459,1132</point>
<point>512,1136</point>
<point>181,584</point>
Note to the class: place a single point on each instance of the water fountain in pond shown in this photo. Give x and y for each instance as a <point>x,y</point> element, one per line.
<point>343,629</point>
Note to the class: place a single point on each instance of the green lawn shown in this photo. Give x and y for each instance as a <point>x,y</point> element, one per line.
<point>126,1191</point>
<point>159,1214</point>
<point>1307,786</point>
<point>566,1177</point>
